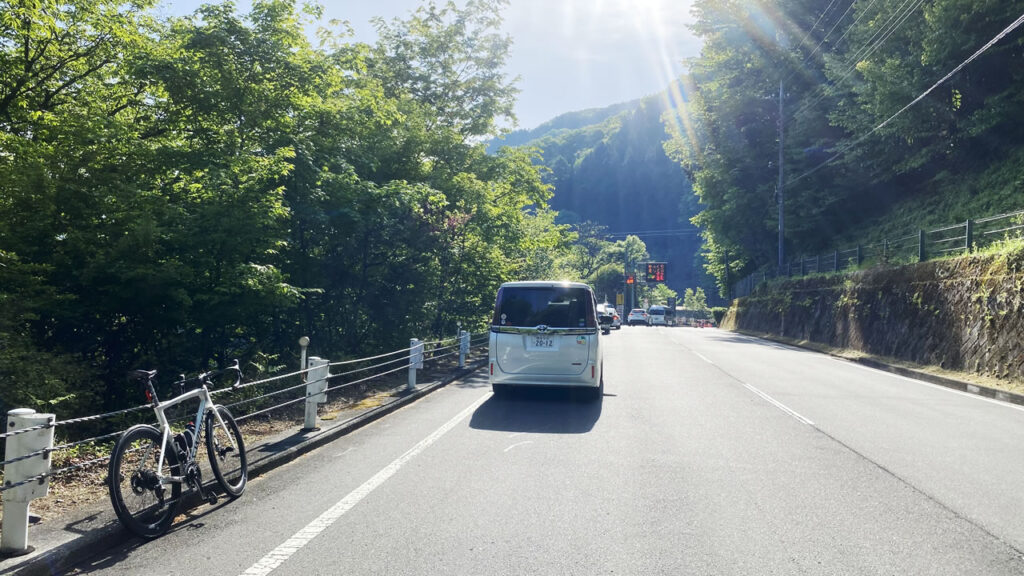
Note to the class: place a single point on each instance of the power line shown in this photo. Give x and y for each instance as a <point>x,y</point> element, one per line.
<point>854,25</point>
<point>1013,26</point>
<point>672,232</point>
<point>815,25</point>
<point>833,29</point>
<point>895,20</point>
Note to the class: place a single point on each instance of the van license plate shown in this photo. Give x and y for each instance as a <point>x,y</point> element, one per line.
<point>542,342</point>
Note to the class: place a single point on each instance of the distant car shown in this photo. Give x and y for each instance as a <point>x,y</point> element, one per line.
<point>610,310</point>
<point>616,319</point>
<point>656,316</point>
<point>546,334</point>
<point>637,316</point>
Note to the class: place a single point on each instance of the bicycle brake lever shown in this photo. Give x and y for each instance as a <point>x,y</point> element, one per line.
<point>238,373</point>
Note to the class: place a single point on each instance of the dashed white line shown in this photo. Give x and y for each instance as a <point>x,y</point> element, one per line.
<point>777,404</point>
<point>277,556</point>
<point>701,356</point>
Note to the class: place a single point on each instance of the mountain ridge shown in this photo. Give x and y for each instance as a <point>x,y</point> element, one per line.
<point>608,166</point>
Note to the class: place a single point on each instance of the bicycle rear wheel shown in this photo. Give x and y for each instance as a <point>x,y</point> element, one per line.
<point>226,450</point>
<point>144,505</point>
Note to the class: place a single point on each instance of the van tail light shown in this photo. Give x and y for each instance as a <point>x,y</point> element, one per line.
<point>492,368</point>
<point>592,369</point>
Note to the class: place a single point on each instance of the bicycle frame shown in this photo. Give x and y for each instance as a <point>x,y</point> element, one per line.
<point>205,402</point>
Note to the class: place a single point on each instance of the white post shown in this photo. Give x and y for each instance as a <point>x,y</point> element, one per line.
<point>303,343</point>
<point>316,389</point>
<point>415,361</point>
<point>463,348</point>
<point>14,537</point>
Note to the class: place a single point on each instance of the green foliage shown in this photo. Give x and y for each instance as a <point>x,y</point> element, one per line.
<point>661,293</point>
<point>695,299</point>
<point>177,193</point>
<point>840,89</point>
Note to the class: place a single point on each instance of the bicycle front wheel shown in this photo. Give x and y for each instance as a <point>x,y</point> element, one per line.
<point>226,451</point>
<point>144,505</point>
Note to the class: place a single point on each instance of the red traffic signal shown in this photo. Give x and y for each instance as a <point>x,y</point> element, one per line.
<point>629,279</point>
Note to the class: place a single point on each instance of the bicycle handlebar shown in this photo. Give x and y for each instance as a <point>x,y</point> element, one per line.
<point>206,377</point>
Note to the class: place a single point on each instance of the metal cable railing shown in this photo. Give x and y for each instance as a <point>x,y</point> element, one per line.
<point>966,237</point>
<point>435,350</point>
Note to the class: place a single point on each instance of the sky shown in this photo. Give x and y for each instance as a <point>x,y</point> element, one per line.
<point>568,54</point>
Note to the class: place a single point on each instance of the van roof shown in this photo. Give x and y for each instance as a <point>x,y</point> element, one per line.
<point>544,284</point>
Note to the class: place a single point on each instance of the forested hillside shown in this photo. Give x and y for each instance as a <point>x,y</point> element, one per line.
<point>614,172</point>
<point>175,193</point>
<point>563,122</point>
<point>866,145</point>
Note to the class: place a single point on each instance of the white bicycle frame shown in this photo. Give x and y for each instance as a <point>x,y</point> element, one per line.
<point>204,401</point>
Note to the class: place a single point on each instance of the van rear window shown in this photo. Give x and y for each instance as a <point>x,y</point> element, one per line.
<point>554,306</point>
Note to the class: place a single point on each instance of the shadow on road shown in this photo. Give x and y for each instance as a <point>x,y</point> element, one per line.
<point>734,338</point>
<point>107,559</point>
<point>539,410</point>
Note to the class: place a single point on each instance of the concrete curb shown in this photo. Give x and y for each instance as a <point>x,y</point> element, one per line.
<point>60,557</point>
<point>961,385</point>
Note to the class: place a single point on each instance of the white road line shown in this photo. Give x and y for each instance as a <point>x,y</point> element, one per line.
<point>277,556</point>
<point>701,356</point>
<point>777,404</point>
<point>518,444</point>
<point>932,386</point>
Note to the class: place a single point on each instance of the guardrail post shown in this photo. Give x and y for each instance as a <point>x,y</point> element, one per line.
<point>415,361</point>
<point>463,347</point>
<point>303,344</point>
<point>835,260</point>
<point>921,257</point>
<point>968,235</point>
<point>316,389</point>
<point>14,537</point>
<point>860,255</point>
<point>885,250</point>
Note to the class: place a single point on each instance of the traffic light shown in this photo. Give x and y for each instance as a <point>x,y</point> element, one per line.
<point>630,279</point>
<point>655,271</point>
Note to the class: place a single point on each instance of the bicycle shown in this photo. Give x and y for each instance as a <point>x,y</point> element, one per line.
<point>149,466</point>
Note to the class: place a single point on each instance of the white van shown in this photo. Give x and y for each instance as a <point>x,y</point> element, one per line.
<point>656,316</point>
<point>545,334</point>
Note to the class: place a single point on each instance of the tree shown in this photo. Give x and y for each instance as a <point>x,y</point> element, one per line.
<point>661,293</point>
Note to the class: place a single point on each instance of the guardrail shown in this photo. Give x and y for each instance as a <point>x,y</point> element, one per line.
<point>922,245</point>
<point>29,437</point>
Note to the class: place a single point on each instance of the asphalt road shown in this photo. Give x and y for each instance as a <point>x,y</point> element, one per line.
<point>711,453</point>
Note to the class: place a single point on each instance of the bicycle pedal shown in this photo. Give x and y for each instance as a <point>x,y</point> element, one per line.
<point>211,499</point>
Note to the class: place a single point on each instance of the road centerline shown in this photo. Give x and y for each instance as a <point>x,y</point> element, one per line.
<point>776,403</point>
<point>277,556</point>
<point>702,357</point>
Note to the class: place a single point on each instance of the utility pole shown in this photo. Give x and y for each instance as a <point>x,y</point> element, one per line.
<point>779,190</point>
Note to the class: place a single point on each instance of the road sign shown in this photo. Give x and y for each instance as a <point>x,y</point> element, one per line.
<point>655,271</point>
<point>619,299</point>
